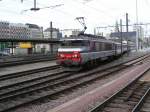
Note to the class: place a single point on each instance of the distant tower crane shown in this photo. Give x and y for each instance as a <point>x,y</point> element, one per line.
<point>82,22</point>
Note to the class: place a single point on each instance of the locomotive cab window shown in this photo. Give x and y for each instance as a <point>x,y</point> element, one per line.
<point>74,43</point>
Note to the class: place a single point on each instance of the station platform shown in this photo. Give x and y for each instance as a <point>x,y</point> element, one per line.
<point>20,68</point>
<point>85,101</point>
<point>146,77</point>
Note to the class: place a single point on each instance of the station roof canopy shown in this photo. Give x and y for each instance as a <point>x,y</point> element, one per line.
<point>35,40</point>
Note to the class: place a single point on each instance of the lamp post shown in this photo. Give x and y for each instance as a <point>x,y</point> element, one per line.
<point>136,26</point>
<point>121,35</point>
<point>127,29</point>
<point>51,36</point>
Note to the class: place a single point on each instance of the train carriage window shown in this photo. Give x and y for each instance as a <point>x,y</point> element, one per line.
<point>118,46</point>
<point>92,44</point>
<point>108,46</point>
<point>114,48</point>
<point>102,46</point>
<point>97,46</point>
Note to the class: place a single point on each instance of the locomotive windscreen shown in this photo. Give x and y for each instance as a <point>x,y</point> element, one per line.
<point>76,43</point>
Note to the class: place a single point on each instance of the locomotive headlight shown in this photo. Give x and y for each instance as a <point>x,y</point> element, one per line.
<point>75,56</point>
<point>61,55</point>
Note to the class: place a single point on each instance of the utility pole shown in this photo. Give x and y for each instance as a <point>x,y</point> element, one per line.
<point>51,36</point>
<point>42,32</point>
<point>127,38</point>
<point>35,8</point>
<point>137,12</point>
<point>12,47</point>
<point>98,32</point>
<point>94,31</point>
<point>137,30</point>
<point>51,29</point>
<point>121,33</point>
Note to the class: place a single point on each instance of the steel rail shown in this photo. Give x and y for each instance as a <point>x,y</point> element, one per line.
<point>27,72</point>
<point>141,102</point>
<point>102,105</point>
<point>25,61</point>
<point>72,83</point>
<point>63,86</point>
<point>48,79</point>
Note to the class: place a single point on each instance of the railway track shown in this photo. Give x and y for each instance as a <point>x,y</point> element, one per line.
<point>144,103</point>
<point>58,84</point>
<point>27,60</point>
<point>124,100</point>
<point>129,99</point>
<point>28,72</point>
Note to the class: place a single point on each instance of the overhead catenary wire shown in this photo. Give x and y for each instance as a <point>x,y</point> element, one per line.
<point>147,3</point>
<point>36,9</point>
<point>70,15</point>
<point>52,7</point>
<point>102,11</point>
<point>84,11</point>
<point>93,8</point>
<point>66,13</point>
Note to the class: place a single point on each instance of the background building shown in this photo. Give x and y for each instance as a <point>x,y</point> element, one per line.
<point>18,31</point>
<point>4,33</point>
<point>49,48</point>
<point>4,29</point>
<point>35,30</point>
<point>131,36</point>
<point>55,33</point>
<point>70,32</point>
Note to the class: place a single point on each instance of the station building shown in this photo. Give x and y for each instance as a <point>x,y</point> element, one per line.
<point>49,48</point>
<point>4,33</point>
<point>18,30</point>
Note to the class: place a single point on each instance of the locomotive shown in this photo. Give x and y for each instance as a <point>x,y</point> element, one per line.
<point>86,49</point>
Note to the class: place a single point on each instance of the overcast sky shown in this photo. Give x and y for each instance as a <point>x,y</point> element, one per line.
<point>97,12</point>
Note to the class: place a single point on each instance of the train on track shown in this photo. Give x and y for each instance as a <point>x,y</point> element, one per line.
<point>87,50</point>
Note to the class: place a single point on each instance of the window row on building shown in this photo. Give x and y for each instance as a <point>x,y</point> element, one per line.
<point>18,30</point>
